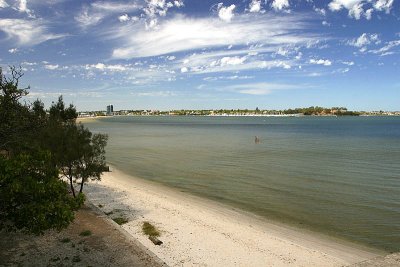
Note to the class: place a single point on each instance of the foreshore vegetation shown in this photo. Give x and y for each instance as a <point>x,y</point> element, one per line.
<point>40,150</point>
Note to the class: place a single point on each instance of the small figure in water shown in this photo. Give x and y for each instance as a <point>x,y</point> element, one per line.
<point>256,139</point>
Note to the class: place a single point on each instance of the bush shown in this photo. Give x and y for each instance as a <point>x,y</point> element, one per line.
<point>150,230</point>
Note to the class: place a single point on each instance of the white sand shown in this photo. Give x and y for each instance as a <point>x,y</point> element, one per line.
<point>198,232</point>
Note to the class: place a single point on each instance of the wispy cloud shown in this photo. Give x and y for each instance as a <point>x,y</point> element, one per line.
<point>385,50</point>
<point>27,32</point>
<point>94,13</point>
<point>184,34</point>
<point>259,88</point>
<point>3,4</point>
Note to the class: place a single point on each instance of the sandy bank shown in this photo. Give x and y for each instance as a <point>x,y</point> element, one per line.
<point>204,233</point>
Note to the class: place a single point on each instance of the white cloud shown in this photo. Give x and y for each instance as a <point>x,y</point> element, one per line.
<point>22,7</point>
<point>280,4</point>
<point>384,5</point>
<point>124,17</point>
<point>356,11</point>
<point>364,40</point>
<point>184,69</point>
<point>325,62</point>
<point>255,6</point>
<point>226,13</point>
<point>320,11</point>
<point>157,8</point>
<point>325,23</point>
<point>259,88</point>
<point>183,34</point>
<point>228,61</point>
<point>13,50</point>
<point>51,67</point>
<point>87,19</point>
<point>356,8</point>
<point>348,63</point>
<point>155,94</point>
<point>104,67</point>
<point>96,12</point>
<point>384,51</point>
<point>3,4</point>
<point>27,32</point>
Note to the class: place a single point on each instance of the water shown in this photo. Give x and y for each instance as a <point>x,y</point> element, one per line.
<point>339,176</point>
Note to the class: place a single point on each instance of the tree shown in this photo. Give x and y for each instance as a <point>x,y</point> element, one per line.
<point>32,197</point>
<point>81,155</point>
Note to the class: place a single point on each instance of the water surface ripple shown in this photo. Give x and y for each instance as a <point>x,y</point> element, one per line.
<point>335,175</point>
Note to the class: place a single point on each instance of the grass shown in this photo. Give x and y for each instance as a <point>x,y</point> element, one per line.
<point>86,233</point>
<point>65,240</point>
<point>149,229</point>
<point>120,220</point>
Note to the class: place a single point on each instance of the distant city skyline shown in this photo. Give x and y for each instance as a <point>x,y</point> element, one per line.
<point>188,54</point>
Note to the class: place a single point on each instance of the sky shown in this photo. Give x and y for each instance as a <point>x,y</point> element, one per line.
<point>202,54</point>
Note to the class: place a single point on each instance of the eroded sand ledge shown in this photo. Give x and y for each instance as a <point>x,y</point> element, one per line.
<point>200,232</point>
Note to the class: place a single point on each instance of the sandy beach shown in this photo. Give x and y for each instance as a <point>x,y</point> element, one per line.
<point>200,232</point>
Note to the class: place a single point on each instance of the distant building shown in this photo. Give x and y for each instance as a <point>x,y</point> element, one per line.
<point>110,110</point>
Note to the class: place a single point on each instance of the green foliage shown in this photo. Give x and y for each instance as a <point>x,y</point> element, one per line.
<point>149,229</point>
<point>120,220</point>
<point>34,148</point>
<point>32,197</point>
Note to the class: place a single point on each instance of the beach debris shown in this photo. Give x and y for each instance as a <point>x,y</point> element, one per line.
<point>155,240</point>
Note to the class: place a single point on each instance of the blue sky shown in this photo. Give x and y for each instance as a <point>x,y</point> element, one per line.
<point>201,54</point>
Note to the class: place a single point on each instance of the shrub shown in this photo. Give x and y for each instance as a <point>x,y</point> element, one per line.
<point>149,229</point>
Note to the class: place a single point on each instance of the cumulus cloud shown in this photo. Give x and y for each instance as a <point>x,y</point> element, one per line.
<point>359,8</point>
<point>156,8</point>
<point>384,5</point>
<point>325,62</point>
<point>27,32</point>
<point>364,40</point>
<point>124,17</point>
<point>13,50</point>
<point>226,13</point>
<point>183,34</point>
<point>280,4</point>
<point>255,6</point>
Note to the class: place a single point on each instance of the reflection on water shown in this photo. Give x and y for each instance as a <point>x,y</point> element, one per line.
<point>335,175</point>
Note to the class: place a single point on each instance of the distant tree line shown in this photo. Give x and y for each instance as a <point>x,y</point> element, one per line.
<point>44,155</point>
